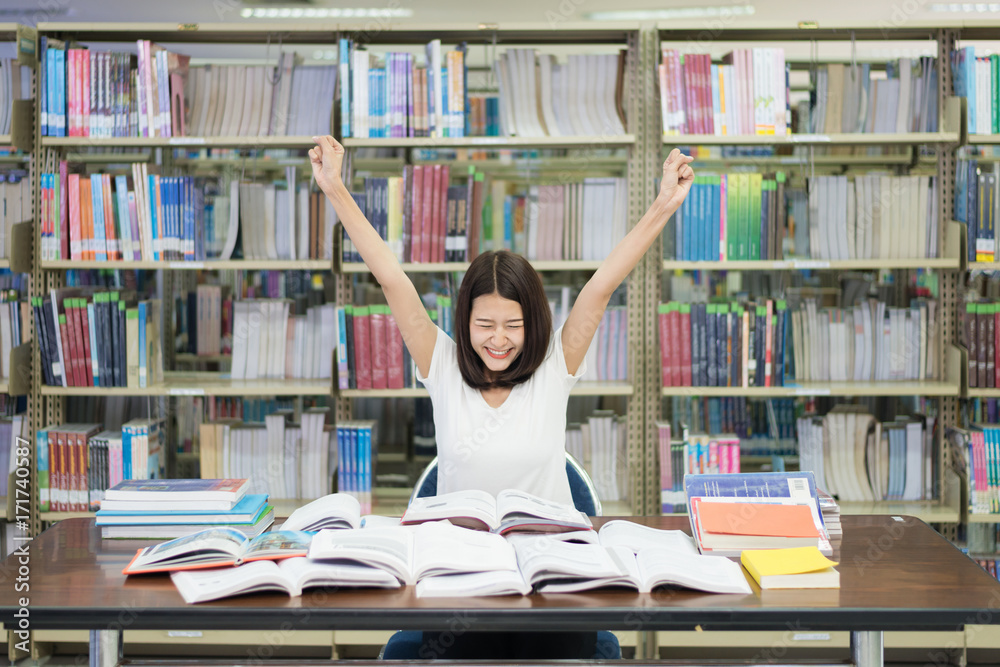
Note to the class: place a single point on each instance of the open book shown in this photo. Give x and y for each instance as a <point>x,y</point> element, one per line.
<point>336,510</point>
<point>622,554</point>
<point>412,554</point>
<point>216,547</point>
<point>291,576</point>
<point>512,510</point>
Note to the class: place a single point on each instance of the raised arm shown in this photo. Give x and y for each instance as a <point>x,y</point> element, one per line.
<point>590,305</point>
<point>417,328</point>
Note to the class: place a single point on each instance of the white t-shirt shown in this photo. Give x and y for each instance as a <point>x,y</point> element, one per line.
<point>520,445</point>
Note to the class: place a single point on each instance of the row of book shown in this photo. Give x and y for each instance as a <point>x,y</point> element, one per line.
<point>424,219</point>
<point>980,327</point>
<point>867,342</point>
<point>76,462</point>
<point>746,94</point>
<point>737,216</point>
<point>392,95</point>
<point>269,341</point>
<point>873,216</point>
<point>13,316</point>
<point>15,205</point>
<point>98,339</point>
<point>848,99</point>
<point>980,447</point>
<point>723,345</point>
<point>755,421</point>
<point>600,445</point>
<point>283,459</point>
<point>977,78</point>
<point>858,458</point>
<point>15,84</point>
<point>976,202</point>
<point>357,452</point>
<point>693,454</point>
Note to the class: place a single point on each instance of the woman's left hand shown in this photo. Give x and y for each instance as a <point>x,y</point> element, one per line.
<point>677,179</point>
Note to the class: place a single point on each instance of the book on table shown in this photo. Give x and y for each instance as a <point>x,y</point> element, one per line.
<point>413,553</point>
<point>218,547</point>
<point>291,576</point>
<point>511,510</point>
<point>333,511</point>
<point>801,567</point>
<point>263,521</point>
<point>245,511</point>
<point>622,554</point>
<point>181,494</point>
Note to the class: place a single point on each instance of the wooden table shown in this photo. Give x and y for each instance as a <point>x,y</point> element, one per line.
<point>896,574</point>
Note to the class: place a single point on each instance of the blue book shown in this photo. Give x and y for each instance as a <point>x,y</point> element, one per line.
<point>209,493</point>
<point>345,87</point>
<point>245,511</point>
<point>97,199</point>
<point>59,81</point>
<point>154,221</point>
<point>756,485</point>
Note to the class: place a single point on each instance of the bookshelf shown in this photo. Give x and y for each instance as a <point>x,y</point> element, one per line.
<point>203,384</point>
<point>208,265</point>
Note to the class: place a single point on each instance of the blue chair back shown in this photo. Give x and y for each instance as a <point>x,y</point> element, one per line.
<point>581,486</point>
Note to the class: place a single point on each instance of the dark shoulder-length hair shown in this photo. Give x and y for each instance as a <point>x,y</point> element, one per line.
<point>512,277</point>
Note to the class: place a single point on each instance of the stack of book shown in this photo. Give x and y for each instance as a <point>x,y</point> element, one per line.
<point>15,195</point>
<point>172,508</point>
<point>730,513</point>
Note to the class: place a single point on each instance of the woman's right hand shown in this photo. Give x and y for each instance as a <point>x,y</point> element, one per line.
<point>326,158</point>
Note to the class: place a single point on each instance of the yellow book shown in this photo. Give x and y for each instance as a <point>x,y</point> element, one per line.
<point>799,567</point>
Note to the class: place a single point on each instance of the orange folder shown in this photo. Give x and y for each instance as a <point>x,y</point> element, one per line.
<point>757,519</point>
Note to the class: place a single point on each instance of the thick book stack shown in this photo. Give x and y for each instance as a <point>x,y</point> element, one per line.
<point>723,345</point>
<point>425,219</point>
<point>849,99</point>
<point>152,92</point>
<point>269,341</point>
<point>977,78</point>
<point>171,508</point>
<point>873,217</point>
<point>280,458</point>
<point>868,342</point>
<point>357,451</point>
<point>980,446</point>
<point>15,84</point>
<point>98,339</point>
<point>15,197</point>
<point>392,95</point>
<point>601,447</point>
<point>977,197</point>
<point>78,462</point>
<point>857,458</point>
<point>736,216</point>
<point>746,94</point>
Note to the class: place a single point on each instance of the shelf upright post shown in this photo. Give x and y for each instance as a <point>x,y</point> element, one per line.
<point>948,322</point>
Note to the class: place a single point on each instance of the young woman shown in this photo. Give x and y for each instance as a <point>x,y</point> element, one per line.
<point>500,390</point>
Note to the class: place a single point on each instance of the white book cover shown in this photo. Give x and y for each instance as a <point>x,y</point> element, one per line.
<point>560,98</point>
<point>576,82</point>
<point>852,221</point>
<point>508,121</point>
<point>270,250</point>
<point>546,64</point>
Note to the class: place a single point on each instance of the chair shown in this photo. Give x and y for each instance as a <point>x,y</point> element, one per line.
<point>405,644</point>
<point>581,486</point>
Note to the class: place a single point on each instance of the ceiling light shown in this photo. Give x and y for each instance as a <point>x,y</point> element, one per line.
<point>353,12</point>
<point>673,13</point>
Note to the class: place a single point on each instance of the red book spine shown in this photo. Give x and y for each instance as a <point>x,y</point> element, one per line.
<point>675,354</point>
<point>690,119</point>
<point>685,326</point>
<point>110,232</point>
<point>442,213</point>
<point>69,340</point>
<point>663,318</point>
<point>85,84</point>
<point>362,348</point>
<point>379,348</point>
<point>84,324</point>
<point>395,343</point>
<point>63,220</point>
<point>429,208</point>
<point>80,484</point>
<point>417,217</point>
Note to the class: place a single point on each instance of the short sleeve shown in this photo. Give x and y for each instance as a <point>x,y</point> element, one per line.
<point>557,361</point>
<point>443,359</point>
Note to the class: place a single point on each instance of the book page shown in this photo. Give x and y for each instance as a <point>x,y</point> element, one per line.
<point>712,574</point>
<point>277,544</point>
<point>473,584</point>
<point>513,504</point>
<point>388,548</point>
<point>628,576</point>
<point>305,573</point>
<point>636,537</point>
<point>475,505</point>
<point>205,545</point>
<point>205,585</point>
<point>379,521</point>
<point>336,510</point>
<point>543,559</point>
<point>441,548</point>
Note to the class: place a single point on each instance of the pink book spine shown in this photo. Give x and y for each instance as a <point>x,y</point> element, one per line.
<point>685,337</point>
<point>666,465</point>
<point>708,110</point>
<point>395,344</point>
<point>678,90</point>
<point>362,348</point>
<point>84,108</point>
<point>76,245</point>
<point>674,361</point>
<point>417,215</point>
<point>379,349</point>
<point>663,318</point>
<point>723,450</point>
<point>442,214</point>
<point>691,120</point>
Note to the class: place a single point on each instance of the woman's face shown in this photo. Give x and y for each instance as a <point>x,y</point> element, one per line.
<point>496,330</point>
